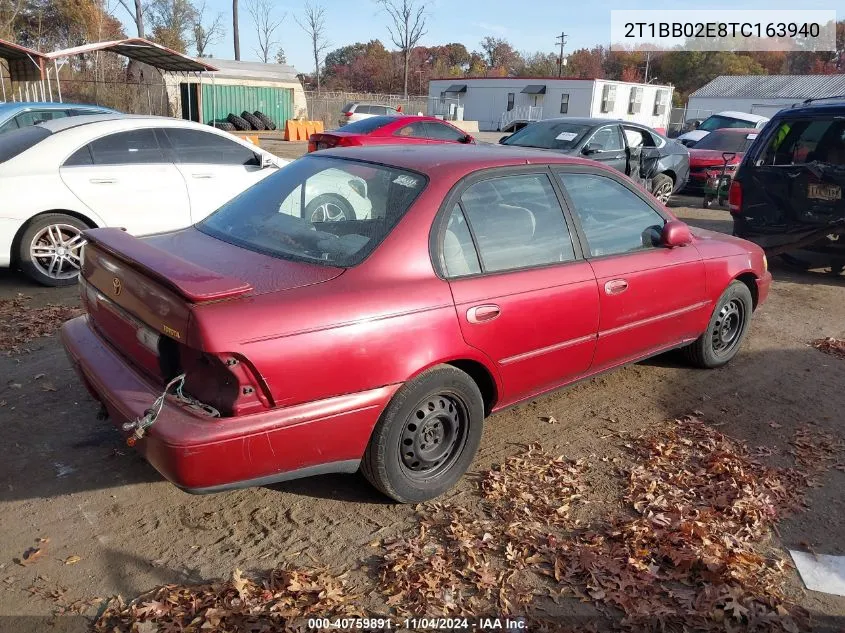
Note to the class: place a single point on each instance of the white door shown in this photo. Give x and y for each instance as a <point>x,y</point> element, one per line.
<point>215,168</point>
<point>126,179</point>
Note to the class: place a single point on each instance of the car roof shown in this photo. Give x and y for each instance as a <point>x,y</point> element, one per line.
<point>743,116</point>
<point>132,121</point>
<point>835,108</point>
<point>15,106</point>
<point>456,161</point>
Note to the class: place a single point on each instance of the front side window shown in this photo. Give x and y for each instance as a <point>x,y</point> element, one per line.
<point>195,146</point>
<point>607,139</point>
<point>413,130</point>
<point>11,124</point>
<point>34,117</point>
<point>510,101</point>
<point>614,219</point>
<point>564,103</point>
<point>126,148</point>
<point>517,222</point>
<point>322,210</point>
<point>442,132</point>
<point>805,141</point>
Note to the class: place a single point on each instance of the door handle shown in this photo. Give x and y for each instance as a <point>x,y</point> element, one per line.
<point>103,181</point>
<point>480,314</point>
<point>615,286</point>
<point>202,175</point>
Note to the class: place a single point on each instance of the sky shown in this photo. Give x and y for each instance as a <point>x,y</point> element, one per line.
<point>529,27</point>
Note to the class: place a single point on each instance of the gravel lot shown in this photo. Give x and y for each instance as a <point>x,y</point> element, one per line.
<point>69,478</point>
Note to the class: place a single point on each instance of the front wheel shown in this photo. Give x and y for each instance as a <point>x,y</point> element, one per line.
<point>50,250</point>
<point>427,436</point>
<point>726,330</point>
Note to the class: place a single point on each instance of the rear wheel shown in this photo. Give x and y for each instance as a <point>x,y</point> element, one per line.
<point>51,248</point>
<point>427,437</point>
<point>726,330</point>
<point>661,187</point>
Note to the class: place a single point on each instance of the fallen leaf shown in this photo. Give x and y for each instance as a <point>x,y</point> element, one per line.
<point>30,556</point>
<point>72,560</point>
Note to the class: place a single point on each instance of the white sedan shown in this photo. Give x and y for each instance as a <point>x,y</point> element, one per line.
<point>145,174</point>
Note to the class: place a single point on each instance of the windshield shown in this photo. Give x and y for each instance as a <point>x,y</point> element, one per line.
<point>549,135</point>
<point>365,126</point>
<point>717,122</point>
<point>727,141</point>
<point>323,210</point>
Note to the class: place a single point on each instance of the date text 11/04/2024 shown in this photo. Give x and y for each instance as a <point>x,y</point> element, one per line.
<point>418,624</point>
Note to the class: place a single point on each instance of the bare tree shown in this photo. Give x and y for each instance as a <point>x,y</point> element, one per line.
<point>265,26</point>
<point>9,11</point>
<point>408,27</point>
<point>173,22</point>
<point>236,34</point>
<point>314,23</point>
<point>206,34</point>
<point>136,12</point>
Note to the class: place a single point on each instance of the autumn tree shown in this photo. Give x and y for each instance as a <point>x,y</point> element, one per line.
<point>313,22</point>
<point>501,57</point>
<point>206,32</point>
<point>587,63</point>
<point>406,28</point>
<point>266,23</point>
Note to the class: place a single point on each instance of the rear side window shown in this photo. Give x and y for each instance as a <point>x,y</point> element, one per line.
<point>517,222</point>
<point>127,148</point>
<point>362,109</point>
<point>805,141</point>
<point>16,142</point>
<point>39,116</point>
<point>348,107</point>
<point>460,257</point>
<point>442,132</point>
<point>195,146</point>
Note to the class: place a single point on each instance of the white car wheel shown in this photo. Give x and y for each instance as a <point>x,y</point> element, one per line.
<point>51,250</point>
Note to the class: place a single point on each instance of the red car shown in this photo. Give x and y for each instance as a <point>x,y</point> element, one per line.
<point>389,130</point>
<point>480,278</point>
<point>705,157</point>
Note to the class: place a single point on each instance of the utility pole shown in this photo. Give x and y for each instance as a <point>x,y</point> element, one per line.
<point>647,60</point>
<point>562,38</point>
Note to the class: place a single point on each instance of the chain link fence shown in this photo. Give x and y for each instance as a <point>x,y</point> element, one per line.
<point>327,106</point>
<point>681,120</point>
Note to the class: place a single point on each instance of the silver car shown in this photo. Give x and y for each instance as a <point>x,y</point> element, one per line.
<point>357,111</point>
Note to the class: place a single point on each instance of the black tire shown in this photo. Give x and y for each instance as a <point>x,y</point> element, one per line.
<point>329,207</point>
<point>433,421</point>
<point>225,126</point>
<point>267,121</point>
<point>726,329</point>
<point>254,122</point>
<point>238,122</point>
<point>48,233</point>
<point>796,262</point>
<point>662,186</point>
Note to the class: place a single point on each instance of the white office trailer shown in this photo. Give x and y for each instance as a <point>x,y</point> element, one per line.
<point>503,103</point>
<point>761,94</point>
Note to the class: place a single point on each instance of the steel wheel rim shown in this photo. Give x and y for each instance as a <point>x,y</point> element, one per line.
<point>433,436</point>
<point>56,251</point>
<point>727,328</point>
<point>663,192</point>
<point>328,212</point>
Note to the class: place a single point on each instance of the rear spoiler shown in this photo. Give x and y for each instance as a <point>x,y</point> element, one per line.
<point>192,282</point>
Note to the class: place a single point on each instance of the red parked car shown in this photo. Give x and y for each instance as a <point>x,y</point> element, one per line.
<point>480,278</point>
<point>390,130</point>
<point>705,157</point>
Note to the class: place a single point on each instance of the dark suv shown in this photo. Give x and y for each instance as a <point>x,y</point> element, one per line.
<point>787,193</point>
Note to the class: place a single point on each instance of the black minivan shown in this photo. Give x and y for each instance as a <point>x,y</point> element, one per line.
<point>787,193</point>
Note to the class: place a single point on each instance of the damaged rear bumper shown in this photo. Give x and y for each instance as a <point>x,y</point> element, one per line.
<point>203,454</point>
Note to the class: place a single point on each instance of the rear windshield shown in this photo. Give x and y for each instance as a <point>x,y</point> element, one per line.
<point>549,135</point>
<point>16,142</point>
<point>727,142</point>
<point>317,209</point>
<point>364,126</point>
<point>717,122</point>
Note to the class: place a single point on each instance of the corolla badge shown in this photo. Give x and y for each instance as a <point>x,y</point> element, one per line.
<point>117,286</point>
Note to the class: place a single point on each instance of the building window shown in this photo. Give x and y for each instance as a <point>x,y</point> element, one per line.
<point>636,101</point>
<point>443,97</point>
<point>608,98</point>
<point>564,103</point>
<point>510,101</point>
<point>661,100</point>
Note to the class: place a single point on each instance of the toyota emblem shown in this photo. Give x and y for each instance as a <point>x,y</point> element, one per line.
<point>117,285</point>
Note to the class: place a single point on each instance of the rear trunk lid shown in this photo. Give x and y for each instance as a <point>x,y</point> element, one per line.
<point>141,295</point>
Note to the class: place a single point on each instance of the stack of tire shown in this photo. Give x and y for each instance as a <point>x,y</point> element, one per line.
<point>246,122</point>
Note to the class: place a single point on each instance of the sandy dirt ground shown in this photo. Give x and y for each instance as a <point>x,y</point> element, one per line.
<point>69,478</point>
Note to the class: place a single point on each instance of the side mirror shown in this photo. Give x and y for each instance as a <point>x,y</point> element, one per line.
<point>676,233</point>
<point>266,161</point>
<point>468,139</point>
<point>503,139</point>
<point>696,125</point>
<point>590,148</point>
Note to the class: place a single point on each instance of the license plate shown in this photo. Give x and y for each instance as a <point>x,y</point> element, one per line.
<point>824,192</point>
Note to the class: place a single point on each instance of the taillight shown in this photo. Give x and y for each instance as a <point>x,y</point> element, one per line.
<point>312,146</point>
<point>224,381</point>
<point>347,114</point>
<point>735,197</point>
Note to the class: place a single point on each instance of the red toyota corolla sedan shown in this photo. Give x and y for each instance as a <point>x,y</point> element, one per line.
<point>478,278</point>
<point>390,130</point>
<point>706,157</point>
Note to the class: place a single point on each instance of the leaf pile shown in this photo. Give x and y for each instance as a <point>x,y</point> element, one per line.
<point>275,603</point>
<point>20,323</point>
<point>829,345</point>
